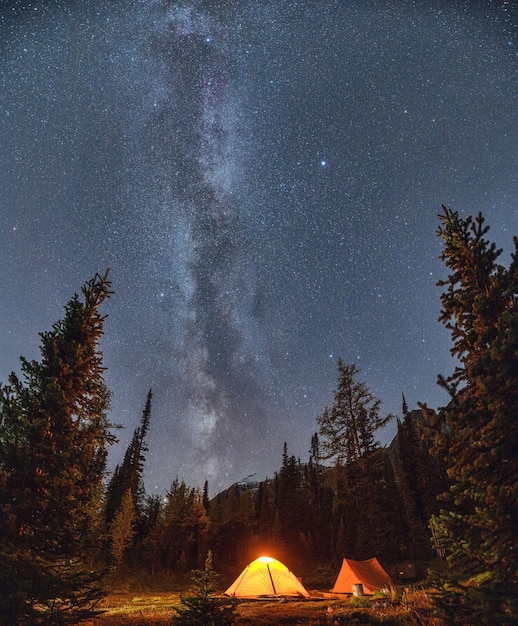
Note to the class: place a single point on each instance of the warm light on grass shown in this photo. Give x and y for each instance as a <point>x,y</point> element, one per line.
<point>157,609</point>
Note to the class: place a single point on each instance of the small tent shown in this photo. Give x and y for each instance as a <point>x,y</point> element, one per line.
<point>266,577</point>
<point>369,573</point>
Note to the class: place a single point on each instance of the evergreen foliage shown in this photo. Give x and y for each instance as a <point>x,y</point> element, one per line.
<point>130,474</point>
<point>202,607</point>
<point>54,435</point>
<point>319,498</point>
<point>205,499</point>
<point>420,481</point>
<point>122,528</point>
<point>477,433</point>
<point>60,522</point>
<point>347,429</point>
<point>311,515</point>
<point>179,534</point>
<point>290,501</point>
<point>366,496</point>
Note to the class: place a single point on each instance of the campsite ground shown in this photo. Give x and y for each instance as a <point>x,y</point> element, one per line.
<point>127,609</point>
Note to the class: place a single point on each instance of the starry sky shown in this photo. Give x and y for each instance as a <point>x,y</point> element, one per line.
<point>263,180</point>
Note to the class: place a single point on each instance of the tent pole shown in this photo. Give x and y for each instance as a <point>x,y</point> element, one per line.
<point>271,579</point>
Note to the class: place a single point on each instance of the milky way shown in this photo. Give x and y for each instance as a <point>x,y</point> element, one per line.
<point>263,181</point>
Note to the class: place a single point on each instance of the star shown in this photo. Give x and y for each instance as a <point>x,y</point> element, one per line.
<point>263,181</point>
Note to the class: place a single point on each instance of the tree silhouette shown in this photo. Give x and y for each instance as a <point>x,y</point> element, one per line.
<point>54,435</point>
<point>476,435</point>
<point>129,475</point>
<point>347,428</point>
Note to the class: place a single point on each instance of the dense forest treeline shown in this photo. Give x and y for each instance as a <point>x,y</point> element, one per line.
<point>445,486</point>
<point>310,515</point>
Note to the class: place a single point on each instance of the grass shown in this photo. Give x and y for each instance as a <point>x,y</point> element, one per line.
<point>146,609</point>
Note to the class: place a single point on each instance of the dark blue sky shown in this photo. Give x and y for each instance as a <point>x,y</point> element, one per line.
<point>263,180</point>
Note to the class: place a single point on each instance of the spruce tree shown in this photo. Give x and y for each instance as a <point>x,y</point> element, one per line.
<point>347,433</point>
<point>416,473</point>
<point>206,499</point>
<point>184,527</point>
<point>202,607</point>
<point>291,503</point>
<point>122,529</point>
<point>153,544</point>
<point>348,427</point>
<point>477,434</point>
<point>130,473</point>
<point>54,435</point>
<point>318,517</point>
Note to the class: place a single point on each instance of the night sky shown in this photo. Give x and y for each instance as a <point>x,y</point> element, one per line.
<point>263,180</point>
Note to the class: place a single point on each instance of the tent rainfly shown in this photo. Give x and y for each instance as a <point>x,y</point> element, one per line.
<point>369,573</point>
<point>266,577</point>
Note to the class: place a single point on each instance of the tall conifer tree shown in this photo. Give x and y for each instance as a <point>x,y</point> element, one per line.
<point>348,427</point>
<point>122,529</point>
<point>54,435</point>
<point>130,474</point>
<point>348,434</point>
<point>478,434</point>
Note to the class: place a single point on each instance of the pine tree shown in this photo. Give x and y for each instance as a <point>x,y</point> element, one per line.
<point>153,544</point>
<point>318,519</point>
<point>130,474</point>
<point>206,499</point>
<point>415,475</point>
<point>477,434</point>
<point>290,503</point>
<point>184,526</point>
<point>348,427</point>
<point>263,514</point>
<point>122,529</point>
<point>54,436</point>
<point>347,433</point>
<point>202,607</point>
<point>346,514</point>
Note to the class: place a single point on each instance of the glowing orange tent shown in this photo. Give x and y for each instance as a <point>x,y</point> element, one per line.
<point>369,573</point>
<point>266,577</point>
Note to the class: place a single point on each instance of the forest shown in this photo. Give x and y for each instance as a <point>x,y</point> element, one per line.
<point>438,506</point>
